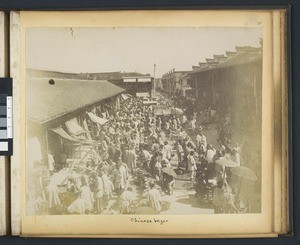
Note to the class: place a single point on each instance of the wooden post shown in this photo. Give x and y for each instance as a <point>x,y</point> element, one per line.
<point>196,86</point>
<point>47,148</point>
<point>254,93</point>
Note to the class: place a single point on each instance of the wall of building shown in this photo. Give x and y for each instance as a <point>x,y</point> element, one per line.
<point>237,91</point>
<point>170,81</point>
<point>235,86</point>
<point>134,87</point>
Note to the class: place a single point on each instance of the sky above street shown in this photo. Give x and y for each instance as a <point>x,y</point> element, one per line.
<point>131,49</point>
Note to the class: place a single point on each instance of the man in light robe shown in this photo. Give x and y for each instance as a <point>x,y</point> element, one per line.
<point>236,156</point>
<point>121,176</point>
<point>183,120</point>
<point>167,151</point>
<point>146,158</point>
<point>87,195</point>
<point>192,167</point>
<point>154,198</point>
<point>108,188</point>
<point>210,154</point>
<point>130,159</point>
<point>127,201</point>
<point>193,124</point>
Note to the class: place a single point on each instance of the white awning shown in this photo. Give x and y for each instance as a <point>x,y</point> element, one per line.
<point>97,119</point>
<point>150,102</point>
<point>64,134</point>
<point>126,96</point>
<point>74,128</point>
<point>145,94</point>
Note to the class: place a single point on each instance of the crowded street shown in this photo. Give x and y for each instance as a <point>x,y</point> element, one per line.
<point>166,135</point>
<point>153,155</point>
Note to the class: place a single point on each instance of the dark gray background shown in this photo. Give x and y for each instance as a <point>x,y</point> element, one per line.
<point>294,47</point>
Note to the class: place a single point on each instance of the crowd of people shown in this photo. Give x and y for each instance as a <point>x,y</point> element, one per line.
<point>138,142</point>
<point>214,184</point>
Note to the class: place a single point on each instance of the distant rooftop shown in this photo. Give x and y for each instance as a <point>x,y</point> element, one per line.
<point>242,55</point>
<point>175,72</point>
<point>115,75</point>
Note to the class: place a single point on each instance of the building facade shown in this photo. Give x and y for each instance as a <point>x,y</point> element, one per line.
<point>185,88</point>
<point>58,114</point>
<point>232,86</point>
<point>133,82</point>
<point>171,81</point>
<point>234,82</point>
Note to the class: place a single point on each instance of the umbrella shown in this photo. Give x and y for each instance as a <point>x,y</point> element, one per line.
<point>165,112</point>
<point>227,163</point>
<point>177,111</point>
<point>169,171</point>
<point>244,172</point>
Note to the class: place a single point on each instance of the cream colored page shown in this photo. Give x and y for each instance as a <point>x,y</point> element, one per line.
<point>16,162</point>
<point>3,159</point>
<point>173,225</point>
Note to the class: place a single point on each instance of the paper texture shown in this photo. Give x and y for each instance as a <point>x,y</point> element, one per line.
<point>16,163</point>
<point>267,222</point>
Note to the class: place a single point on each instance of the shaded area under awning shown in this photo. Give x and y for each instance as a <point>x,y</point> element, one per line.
<point>64,134</point>
<point>97,119</point>
<point>74,128</point>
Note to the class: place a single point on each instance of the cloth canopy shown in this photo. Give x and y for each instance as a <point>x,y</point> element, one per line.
<point>105,114</point>
<point>64,134</point>
<point>97,119</point>
<point>74,128</point>
<point>126,96</point>
<point>150,102</point>
<point>145,94</point>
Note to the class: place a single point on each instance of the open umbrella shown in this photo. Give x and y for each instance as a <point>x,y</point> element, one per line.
<point>169,171</point>
<point>227,163</point>
<point>244,172</point>
<point>177,111</point>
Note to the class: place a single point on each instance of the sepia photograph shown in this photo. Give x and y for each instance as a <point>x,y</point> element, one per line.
<point>143,120</point>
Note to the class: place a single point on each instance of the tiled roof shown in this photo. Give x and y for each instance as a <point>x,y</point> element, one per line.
<point>46,102</point>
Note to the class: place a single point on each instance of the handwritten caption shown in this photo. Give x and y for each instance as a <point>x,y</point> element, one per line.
<point>149,221</point>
